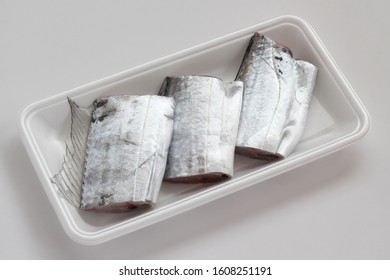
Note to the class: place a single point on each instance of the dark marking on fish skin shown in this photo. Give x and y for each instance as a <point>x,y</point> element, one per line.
<point>93,119</point>
<point>128,141</point>
<point>130,121</point>
<point>102,117</point>
<point>279,58</point>
<point>107,147</point>
<point>169,116</point>
<point>287,50</point>
<point>106,114</point>
<point>280,71</point>
<point>164,90</point>
<point>246,55</point>
<point>282,48</point>
<point>104,198</point>
<point>100,102</point>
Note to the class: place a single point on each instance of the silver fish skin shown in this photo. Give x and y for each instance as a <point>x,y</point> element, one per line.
<point>205,128</point>
<point>306,74</point>
<point>277,94</point>
<point>127,149</point>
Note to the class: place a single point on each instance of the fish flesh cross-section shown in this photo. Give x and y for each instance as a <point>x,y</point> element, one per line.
<point>126,152</point>
<point>205,128</point>
<point>277,94</point>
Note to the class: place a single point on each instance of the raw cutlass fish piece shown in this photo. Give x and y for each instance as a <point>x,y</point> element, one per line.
<point>277,95</point>
<point>205,128</point>
<point>126,155</point>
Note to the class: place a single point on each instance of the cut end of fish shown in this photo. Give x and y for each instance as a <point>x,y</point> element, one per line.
<point>212,177</point>
<point>257,153</point>
<point>119,207</point>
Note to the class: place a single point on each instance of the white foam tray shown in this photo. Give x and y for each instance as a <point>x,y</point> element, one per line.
<point>336,119</point>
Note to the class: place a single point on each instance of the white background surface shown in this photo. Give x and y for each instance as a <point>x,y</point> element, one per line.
<point>334,208</point>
